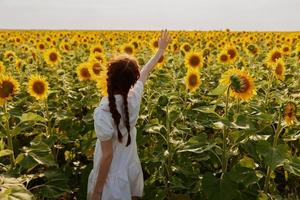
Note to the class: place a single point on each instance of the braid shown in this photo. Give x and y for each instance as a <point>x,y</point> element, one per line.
<point>113,109</point>
<point>122,74</point>
<point>126,117</point>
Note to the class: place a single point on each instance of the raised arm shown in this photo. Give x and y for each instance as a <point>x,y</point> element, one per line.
<point>163,42</point>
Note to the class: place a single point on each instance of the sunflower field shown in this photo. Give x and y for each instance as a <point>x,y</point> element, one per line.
<point>219,117</point>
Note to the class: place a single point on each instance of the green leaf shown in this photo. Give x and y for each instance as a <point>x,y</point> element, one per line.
<point>56,184</point>
<point>200,149</point>
<point>216,189</point>
<point>12,189</point>
<point>273,156</point>
<point>26,162</point>
<point>5,152</point>
<point>41,153</point>
<point>218,90</point>
<point>245,175</point>
<point>247,162</point>
<point>32,117</point>
<point>263,116</point>
<point>293,166</point>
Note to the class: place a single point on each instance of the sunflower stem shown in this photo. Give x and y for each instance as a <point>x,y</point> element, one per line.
<point>9,138</point>
<point>48,117</point>
<point>270,78</point>
<point>168,168</point>
<point>275,141</point>
<point>225,133</point>
<point>227,100</point>
<point>238,105</point>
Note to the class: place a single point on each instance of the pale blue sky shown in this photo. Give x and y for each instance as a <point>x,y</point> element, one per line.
<point>261,15</point>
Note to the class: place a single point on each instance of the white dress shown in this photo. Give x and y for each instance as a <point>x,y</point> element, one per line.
<point>125,176</point>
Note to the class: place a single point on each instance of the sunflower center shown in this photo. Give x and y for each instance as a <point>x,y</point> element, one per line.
<point>9,55</point>
<point>224,57</point>
<point>42,46</point>
<point>128,50</point>
<point>239,83</point>
<point>193,80</point>
<point>275,56</point>
<point>97,49</point>
<point>285,49</point>
<point>232,53</point>
<point>53,56</point>
<point>6,89</point>
<point>67,47</point>
<point>38,87</point>
<point>175,47</point>
<point>135,44</point>
<point>96,68</point>
<point>155,44</point>
<point>161,59</point>
<point>194,61</point>
<point>85,73</point>
<point>187,47</point>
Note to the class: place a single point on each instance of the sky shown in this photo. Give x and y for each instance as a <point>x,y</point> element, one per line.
<point>249,15</point>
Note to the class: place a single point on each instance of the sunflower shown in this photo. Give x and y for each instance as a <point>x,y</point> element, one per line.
<point>289,115</point>
<point>100,57</point>
<point>128,49</point>
<point>41,46</point>
<point>273,55</point>
<point>175,46</point>
<point>232,53</point>
<point>38,87</point>
<point>161,61</point>
<point>185,47</point>
<point>286,49</point>
<point>240,82</point>
<point>95,68</point>
<point>154,44</point>
<point>65,46</point>
<point>9,55</point>
<point>223,57</point>
<point>96,49</point>
<point>2,68</point>
<point>193,60</point>
<point>279,69</point>
<point>9,87</point>
<point>102,82</point>
<point>19,64</point>
<point>192,80</point>
<point>52,57</point>
<point>252,49</point>
<point>83,72</point>
<point>135,43</point>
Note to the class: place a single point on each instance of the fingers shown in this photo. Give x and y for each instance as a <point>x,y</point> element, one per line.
<point>164,35</point>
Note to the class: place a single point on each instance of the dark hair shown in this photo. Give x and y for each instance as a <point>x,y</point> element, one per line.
<point>123,72</point>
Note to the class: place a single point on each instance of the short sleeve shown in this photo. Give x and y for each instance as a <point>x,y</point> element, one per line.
<point>103,126</point>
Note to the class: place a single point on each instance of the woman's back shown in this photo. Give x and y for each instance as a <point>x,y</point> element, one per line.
<point>125,175</point>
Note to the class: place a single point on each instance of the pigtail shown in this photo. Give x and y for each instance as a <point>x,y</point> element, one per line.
<point>126,117</point>
<point>113,109</point>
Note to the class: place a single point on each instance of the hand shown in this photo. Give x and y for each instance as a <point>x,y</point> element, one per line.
<point>96,195</point>
<point>164,40</point>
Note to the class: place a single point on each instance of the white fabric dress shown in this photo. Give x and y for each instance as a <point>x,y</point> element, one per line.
<point>125,177</point>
